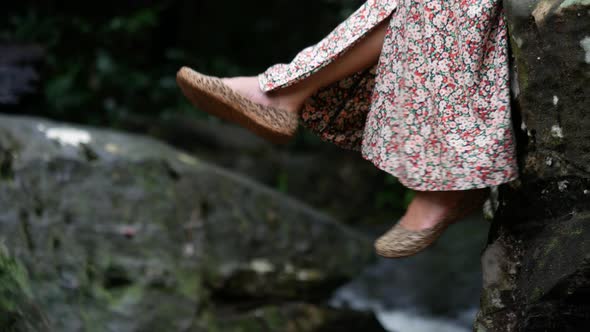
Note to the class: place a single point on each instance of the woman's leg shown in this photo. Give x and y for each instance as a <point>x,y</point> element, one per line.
<point>428,207</point>
<point>360,56</point>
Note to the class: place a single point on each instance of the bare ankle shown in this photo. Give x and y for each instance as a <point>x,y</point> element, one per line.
<point>429,208</point>
<point>288,100</point>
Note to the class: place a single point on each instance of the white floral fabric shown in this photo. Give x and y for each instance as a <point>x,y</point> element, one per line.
<point>435,110</point>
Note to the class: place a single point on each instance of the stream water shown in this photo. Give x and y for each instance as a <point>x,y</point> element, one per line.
<point>435,291</point>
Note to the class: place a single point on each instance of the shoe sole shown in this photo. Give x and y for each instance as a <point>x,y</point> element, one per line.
<point>406,243</point>
<point>211,95</point>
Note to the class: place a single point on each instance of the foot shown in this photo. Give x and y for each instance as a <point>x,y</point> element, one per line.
<point>426,219</point>
<point>428,208</point>
<point>249,88</point>
<point>211,94</point>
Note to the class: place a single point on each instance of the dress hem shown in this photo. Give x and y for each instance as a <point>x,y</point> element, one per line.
<point>466,186</point>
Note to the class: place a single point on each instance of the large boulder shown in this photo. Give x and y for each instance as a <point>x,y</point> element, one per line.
<point>114,232</point>
<point>537,263</point>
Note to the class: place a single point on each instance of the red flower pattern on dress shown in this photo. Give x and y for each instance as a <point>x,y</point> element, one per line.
<point>435,110</point>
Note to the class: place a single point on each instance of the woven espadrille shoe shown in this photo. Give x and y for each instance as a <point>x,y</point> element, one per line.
<point>210,94</point>
<point>402,242</point>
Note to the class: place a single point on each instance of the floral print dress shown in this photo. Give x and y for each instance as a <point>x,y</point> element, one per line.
<point>435,110</point>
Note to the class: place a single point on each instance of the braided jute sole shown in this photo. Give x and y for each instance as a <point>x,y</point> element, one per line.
<point>401,242</point>
<point>210,94</point>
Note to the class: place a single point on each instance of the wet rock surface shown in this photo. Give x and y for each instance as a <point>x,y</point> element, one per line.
<point>112,232</point>
<point>297,317</point>
<point>337,181</point>
<point>536,266</point>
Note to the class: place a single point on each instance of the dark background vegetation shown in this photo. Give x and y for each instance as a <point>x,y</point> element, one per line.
<point>113,64</point>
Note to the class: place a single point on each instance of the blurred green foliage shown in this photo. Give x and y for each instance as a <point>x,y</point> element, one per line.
<point>106,62</point>
<point>96,72</point>
<point>393,195</point>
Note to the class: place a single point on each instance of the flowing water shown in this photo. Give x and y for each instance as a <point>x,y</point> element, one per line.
<point>435,291</point>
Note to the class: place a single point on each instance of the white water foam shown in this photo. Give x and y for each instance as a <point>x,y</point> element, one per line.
<point>404,320</point>
<point>408,321</point>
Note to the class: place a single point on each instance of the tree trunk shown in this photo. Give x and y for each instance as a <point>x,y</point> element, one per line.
<point>536,266</point>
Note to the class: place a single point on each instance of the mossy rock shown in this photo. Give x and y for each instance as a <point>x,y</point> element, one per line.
<point>121,232</point>
<point>294,317</point>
